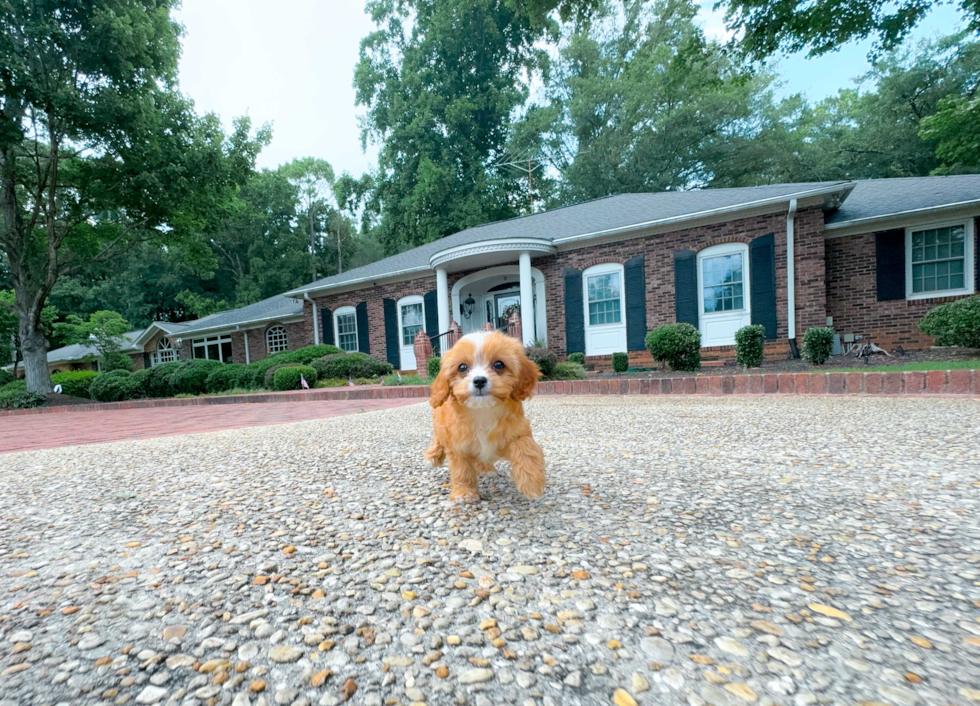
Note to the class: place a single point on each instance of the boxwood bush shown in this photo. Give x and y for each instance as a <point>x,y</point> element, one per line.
<point>160,380</point>
<point>568,371</point>
<point>544,357</point>
<point>287,378</point>
<point>433,366</point>
<point>678,345</point>
<point>74,382</point>
<point>191,376</point>
<point>14,398</point>
<point>115,386</point>
<point>576,358</point>
<point>228,377</point>
<point>303,356</point>
<point>271,372</point>
<point>818,342</point>
<point>954,324</point>
<point>749,344</point>
<point>620,362</point>
<point>351,365</point>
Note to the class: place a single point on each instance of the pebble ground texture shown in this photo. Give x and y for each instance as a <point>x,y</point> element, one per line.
<point>687,551</point>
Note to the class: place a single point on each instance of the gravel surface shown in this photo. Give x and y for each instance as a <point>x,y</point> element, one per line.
<point>687,551</point>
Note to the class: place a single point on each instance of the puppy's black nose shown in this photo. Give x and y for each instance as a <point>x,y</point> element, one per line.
<point>479,383</point>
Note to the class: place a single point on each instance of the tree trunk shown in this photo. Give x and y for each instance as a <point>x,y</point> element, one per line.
<point>34,346</point>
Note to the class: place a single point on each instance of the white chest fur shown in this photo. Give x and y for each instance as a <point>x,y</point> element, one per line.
<point>484,420</point>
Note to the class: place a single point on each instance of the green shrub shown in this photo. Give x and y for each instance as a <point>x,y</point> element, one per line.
<point>433,366</point>
<point>115,386</point>
<point>227,377</point>
<point>287,378</point>
<point>74,382</point>
<point>576,358</point>
<point>679,345</point>
<point>271,372</point>
<point>191,376</point>
<point>620,362</point>
<point>116,360</point>
<point>160,380</point>
<point>394,380</point>
<point>568,371</point>
<point>544,358</point>
<point>18,385</point>
<point>351,365</point>
<point>12,398</point>
<point>5,378</point>
<point>303,356</point>
<point>749,344</point>
<point>954,324</point>
<point>818,342</point>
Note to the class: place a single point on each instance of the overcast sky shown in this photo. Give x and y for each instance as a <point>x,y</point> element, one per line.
<point>291,63</point>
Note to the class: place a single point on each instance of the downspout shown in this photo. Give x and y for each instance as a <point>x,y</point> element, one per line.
<point>791,277</point>
<point>316,325</point>
<point>245,338</point>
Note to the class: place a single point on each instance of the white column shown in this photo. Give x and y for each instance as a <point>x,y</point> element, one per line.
<point>316,321</point>
<point>442,301</point>
<point>791,269</point>
<point>527,299</point>
<point>248,358</point>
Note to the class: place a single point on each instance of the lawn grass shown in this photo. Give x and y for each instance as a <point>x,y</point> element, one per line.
<point>924,366</point>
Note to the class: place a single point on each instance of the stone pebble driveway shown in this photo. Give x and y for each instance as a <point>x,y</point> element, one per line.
<point>687,551</point>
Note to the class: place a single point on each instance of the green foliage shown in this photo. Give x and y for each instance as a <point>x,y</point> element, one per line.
<point>955,127</point>
<point>576,358</point>
<point>200,305</point>
<point>115,386</point>
<point>955,323</point>
<point>74,382</point>
<point>334,382</point>
<point>271,372</point>
<point>351,365</point>
<point>394,381</point>
<point>544,358</point>
<point>303,356</point>
<point>433,365</point>
<point>818,342</point>
<point>20,399</point>
<point>5,378</point>
<point>160,380</point>
<point>192,375</point>
<point>749,344</point>
<point>678,345</point>
<point>568,371</point>
<point>228,377</point>
<point>620,362</point>
<point>289,378</point>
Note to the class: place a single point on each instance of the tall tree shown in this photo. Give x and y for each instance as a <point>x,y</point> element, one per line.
<point>314,180</point>
<point>98,150</point>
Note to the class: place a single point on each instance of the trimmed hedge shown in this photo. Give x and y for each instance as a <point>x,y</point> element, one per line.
<point>74,382</point>
<point>115,386</point>
<point>433,366</point>
<point>545,359</point>
<point>270,373</point>
<point>818,342</point>
<point>191,376</point>
<point>568,371</point>
<point>303,356</point>
<point>576,358</point>
<point>228,377</point>
<point>12,398</point>
<point>750,341</point>
<point>288,378</point>
<point>160,380</point>
<point>679,345</point>
<point>955,323</point>
<point>351,365</point>
<point>620,362</point>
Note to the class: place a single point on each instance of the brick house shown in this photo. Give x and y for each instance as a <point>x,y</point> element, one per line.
<point>868,258</point>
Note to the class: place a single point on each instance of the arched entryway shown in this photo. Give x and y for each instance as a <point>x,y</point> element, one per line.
<point>490,294</point>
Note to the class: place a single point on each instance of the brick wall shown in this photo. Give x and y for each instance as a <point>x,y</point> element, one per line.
<point>296,333</point>
<point>852,297</point>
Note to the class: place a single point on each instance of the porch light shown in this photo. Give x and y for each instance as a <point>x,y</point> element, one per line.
<point>468,306</point>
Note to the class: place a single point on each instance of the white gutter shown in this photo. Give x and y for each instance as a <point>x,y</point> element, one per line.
<point>316,325</point>
<point>383,276</point>
<point>791,269</point>
<point>899,214</point>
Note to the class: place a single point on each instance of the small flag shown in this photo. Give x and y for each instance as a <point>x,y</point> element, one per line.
<point>302,383</point>
<point>398,374</point>
<point>57,389</point>
<point>350,383</point>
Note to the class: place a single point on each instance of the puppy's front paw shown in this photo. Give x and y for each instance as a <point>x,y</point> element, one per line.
<point>530,485</point>
<point>464,495</point>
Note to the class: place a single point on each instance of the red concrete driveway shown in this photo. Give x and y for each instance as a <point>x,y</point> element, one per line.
<point>47,431</point>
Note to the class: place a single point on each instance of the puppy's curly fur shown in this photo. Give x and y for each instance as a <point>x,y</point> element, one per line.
<point>479,415</point>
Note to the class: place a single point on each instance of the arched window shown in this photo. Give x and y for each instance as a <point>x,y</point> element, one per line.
<point>165,352</point>
<point>605,309</point>
<point>276,340</point>
<point>345,328</point>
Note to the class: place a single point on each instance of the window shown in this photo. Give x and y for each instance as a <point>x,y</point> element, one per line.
<point>605,298</point>
<point>939,260</point>
<point>721,283</point>
<point>345,328</point>
<point>165,353</point>
<point>411,322</point>
<point>214,348</point>
<point>276,340</point>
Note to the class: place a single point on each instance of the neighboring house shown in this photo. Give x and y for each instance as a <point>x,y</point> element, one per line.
<point>868,258</point>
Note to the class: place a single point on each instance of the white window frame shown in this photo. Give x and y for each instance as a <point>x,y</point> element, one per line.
<point>285,339</point>
<point>345,311</point>
<point>969,268</point>
<point>205,342</point>
<point>405,301</point>
<point>604,269</point>
<point>721,251</point>
<point>164,345</point>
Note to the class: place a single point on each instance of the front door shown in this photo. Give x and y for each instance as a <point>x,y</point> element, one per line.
<point>410,321</point>
<point>723,279</point>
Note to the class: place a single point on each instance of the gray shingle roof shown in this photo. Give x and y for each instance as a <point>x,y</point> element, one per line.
<point>277,307</point>
<point>880,198</point>
<point>78,351</point>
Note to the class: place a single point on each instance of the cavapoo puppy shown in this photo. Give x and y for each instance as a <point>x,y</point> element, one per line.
<point>479,417</point>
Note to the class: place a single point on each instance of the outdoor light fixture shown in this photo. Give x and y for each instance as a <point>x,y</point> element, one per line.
<point>468,306</point>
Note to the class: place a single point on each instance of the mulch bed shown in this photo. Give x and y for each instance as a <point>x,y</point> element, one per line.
<point>56,400</point>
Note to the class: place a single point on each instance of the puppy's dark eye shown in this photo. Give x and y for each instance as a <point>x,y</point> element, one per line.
<point>498,366</point>
<point>463,367</point>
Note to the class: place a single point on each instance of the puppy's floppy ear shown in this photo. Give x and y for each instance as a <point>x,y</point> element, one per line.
<point>527,379</point>
<point>439,391</point>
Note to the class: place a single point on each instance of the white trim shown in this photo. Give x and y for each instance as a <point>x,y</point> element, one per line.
<point>232,328</point>
<point>442,299</point>
<point>405,301</point>
<point>605,269</point>
<point>540,311</point>
<point>316,323</point>
<point>720,251</point>
<point>209,341</point>
<point>345,311</point>
<point>899,214</point>
<point>381,277</point>
<point>969,271</point>
<point>285,339</point>
<point>791,269</point>
<point>517,245</point>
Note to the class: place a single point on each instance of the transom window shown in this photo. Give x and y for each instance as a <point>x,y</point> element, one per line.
<point>411,322</point>
<point>165,353</point>
<point>276,339</point>
<point>345,326</point>
<point>604,299</point>
<point>213,348</point>
<point>938,259</point>
<point>722,282</point>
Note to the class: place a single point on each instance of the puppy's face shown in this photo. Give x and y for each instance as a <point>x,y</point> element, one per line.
<point>484,368</point>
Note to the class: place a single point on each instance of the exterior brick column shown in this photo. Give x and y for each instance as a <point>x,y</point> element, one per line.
<point>423,351</point>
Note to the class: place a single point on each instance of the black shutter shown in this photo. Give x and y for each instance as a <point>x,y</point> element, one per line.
<point>326,330</point>
<point>363,337</point>
<point>574,312</point>
<point>391,333</point>
<point>762,282</point>
<point>686,287</point>
<point>634,273</point>
<point>890,264</point>
<point>431,307</point>
<point>146,360</point>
